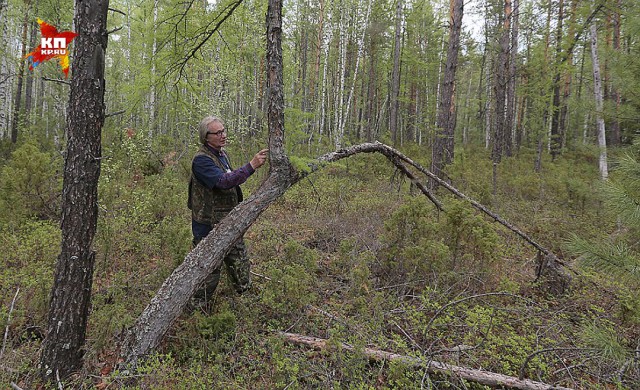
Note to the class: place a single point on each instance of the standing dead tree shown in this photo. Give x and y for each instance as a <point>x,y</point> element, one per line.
<point>165,307</point>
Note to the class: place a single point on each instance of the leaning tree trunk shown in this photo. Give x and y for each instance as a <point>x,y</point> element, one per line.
<point>597,89</point>
<point>165,307</point>
<point>175,292</point>
<point>442,151</point>
<point>62,350</point>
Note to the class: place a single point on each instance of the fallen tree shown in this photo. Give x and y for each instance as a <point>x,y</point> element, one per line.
<point>165,307</point>
<point>433,367</point>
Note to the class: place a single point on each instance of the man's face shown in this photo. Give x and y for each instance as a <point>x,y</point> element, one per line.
<point>216,137</point>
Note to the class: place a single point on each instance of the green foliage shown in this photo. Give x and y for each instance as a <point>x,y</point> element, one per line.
<point>419,243</point>
<point>605,340</point>
<point>27,262</point>
<point>291,283</point>
<point>30,185</point>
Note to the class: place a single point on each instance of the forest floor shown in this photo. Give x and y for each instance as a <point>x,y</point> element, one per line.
<point>354,255</point>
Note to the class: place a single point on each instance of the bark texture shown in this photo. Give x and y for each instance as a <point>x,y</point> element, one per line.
<point>62,350</point>
<point>395,76</point>
<point>597,89</point>
<point>442,152</point>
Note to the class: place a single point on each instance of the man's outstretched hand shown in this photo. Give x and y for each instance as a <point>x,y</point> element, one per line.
<point>258,160</point>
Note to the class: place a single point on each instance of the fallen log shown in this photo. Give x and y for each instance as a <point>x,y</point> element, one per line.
<point>482,377</point>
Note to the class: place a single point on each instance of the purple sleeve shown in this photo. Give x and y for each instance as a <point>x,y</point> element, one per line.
<point>234,178</point>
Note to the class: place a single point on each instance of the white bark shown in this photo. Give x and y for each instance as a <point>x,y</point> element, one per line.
<point>433,367</point>
<point>343,120</point>
<point>597,88</point>
<point>325,65</point>
<point>152,95</point>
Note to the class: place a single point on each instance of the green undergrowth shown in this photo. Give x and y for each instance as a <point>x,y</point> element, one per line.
<point>353,254</point>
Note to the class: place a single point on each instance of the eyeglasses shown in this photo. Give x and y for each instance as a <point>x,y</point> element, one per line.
<point>217,132</point>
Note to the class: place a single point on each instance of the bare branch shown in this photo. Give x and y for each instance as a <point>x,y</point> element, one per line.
<point>115,113</point>
<point>114,30</point>
<point>117,11</point>
<point>6,330</point>
<point>56,80</point>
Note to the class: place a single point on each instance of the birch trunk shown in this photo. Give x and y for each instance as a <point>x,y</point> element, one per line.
<point>4,72</point>
<point>152,93</point>
<point>597,88</point>
<point>355,77</point>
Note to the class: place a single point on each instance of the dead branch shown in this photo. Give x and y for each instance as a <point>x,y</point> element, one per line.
<point>117,11</point>
<point>433,367</point>
<point>536,353</point>
<point>57,80</point>
<point>6,330</point>
<point>550,267</point>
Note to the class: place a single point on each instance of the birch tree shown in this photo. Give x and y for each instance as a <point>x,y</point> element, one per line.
<point>597,90</point>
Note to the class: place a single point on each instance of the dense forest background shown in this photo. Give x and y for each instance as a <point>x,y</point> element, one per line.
<point>353,254</point>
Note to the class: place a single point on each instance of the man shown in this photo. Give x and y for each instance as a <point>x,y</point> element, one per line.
<point>213,192</point>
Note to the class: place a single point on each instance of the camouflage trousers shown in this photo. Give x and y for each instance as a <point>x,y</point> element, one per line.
<point>238,267</point>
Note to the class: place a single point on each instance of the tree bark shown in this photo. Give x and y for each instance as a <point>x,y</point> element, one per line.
<point>597,89</point>
<point>28,94</point>
<point>443,145</point>
<point>511,117</point>
<point>4,73</point>
<point>482,377</point>
<point>62,350</point>
<point>501,134</point>
<point>394,104</point>
<point>616,135</point>
<point>556,128</point>
<point>18,97</point>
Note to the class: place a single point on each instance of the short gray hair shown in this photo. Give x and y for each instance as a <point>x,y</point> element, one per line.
<point>203,128</point>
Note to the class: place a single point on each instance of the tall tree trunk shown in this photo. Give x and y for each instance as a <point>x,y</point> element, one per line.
<point>394,103</point>
<point>342,49</point>
<point>5,101</point>
<point>28,94</point>
<point>510,120</point>
<point>360,43</point>
<point>616,98</point>
<point>597,88</point>
<point>556,128</point>
<point>442,151</point>
<point>18,97</point>
<point>501,133</point>
<point>152,94</point>
<point>370,115</point>
<point>62,350</point>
